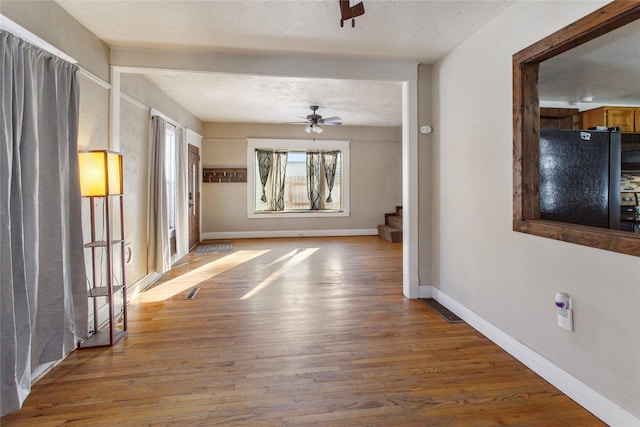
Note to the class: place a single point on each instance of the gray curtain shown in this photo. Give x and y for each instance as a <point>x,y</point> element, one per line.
<point>43,290</point>
<point>330,162</point>
<point>159,251</point>
<point>313,179</point>
<point>277,175</point>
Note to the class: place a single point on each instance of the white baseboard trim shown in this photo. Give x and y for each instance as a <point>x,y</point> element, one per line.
<point>591,400</point>
<point>425,291</point>
<point>287,233</point>
<point>134,291</point>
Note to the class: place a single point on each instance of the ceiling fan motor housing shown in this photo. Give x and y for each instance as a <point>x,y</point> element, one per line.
<point>314,118</point>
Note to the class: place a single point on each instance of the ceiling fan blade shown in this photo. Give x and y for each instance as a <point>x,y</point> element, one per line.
<point>331,119</point>
<point>350,10</point>
<point>332,123</point>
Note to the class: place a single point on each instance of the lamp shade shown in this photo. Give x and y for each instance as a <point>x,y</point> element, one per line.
<point>100,173</point>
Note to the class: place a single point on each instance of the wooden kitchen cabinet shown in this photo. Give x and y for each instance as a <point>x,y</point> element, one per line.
<point>559,118</point>
<point>627,118</point>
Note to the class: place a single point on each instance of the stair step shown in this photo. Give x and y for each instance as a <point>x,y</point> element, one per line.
<point>395,221</point>
<point>389,233</point>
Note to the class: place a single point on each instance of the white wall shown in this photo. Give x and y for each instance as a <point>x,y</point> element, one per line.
<point>376,178</point>
<point>425,178</point>
<point>510,278</point>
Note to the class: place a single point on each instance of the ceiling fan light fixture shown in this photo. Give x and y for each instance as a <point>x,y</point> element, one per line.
<point>314,121</point>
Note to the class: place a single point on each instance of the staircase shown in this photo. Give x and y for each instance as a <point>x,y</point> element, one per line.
<point>391,231</point>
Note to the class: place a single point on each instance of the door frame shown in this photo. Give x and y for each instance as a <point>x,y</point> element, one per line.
<point>194,139</point>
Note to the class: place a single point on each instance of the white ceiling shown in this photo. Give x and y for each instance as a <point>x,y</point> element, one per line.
<point>606,69</point>
<point>401,30</point>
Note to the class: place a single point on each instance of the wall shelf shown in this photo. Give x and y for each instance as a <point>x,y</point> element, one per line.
<point>103,338</point>
<point>102,243</point>
<point>224,175</point>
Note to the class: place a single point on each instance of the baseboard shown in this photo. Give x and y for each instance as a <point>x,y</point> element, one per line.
<point>287,233</point>
<point>425,291</point>
<point>591,400</point>
<point>134,291</point>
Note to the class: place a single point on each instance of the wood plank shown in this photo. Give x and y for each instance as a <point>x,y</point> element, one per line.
<point>332,341</point>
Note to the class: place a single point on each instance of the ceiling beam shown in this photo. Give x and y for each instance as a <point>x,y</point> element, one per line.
<point>152,60</point>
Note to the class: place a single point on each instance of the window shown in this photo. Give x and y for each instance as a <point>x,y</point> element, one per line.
<point>170,168</point>
<point>300,178</point>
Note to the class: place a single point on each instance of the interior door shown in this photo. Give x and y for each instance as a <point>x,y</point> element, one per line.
<point>194,196</point>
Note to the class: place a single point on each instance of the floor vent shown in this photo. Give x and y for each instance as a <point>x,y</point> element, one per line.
<point>192,293</point>
<point>443,311</point>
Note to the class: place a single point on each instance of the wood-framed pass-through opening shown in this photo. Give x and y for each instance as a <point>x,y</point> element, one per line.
<point>526,131</point>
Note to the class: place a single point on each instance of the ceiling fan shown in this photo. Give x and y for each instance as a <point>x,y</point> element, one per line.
<point>350,9</point>
<point>314,121</point>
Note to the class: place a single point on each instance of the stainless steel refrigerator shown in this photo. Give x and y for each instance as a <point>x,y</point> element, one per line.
<point>580,177</point>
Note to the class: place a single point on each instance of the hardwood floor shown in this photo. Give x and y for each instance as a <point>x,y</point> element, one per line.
<point>304,332</point>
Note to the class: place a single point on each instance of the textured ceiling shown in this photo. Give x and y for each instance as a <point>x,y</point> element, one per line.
<point>606,69</point>
<point>417,31</point>
<point>263,99</point>
<point>420,31</point>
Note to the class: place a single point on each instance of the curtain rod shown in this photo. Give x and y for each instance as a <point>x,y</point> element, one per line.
<point>160,114</point>
<point>8,25</point>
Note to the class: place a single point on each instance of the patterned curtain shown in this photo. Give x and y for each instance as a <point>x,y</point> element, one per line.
<point>264,167</point>
<point>275,199</point>
<point>330,161</point>
<point>313,179</point>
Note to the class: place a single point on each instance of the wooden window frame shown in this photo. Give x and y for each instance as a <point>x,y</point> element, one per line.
<point>526,131</point>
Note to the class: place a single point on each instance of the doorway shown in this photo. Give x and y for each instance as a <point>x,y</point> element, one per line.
<point>194,196</point>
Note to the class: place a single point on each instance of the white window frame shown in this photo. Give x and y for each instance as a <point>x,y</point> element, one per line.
<point>172,173</point>
<point>297,145</point>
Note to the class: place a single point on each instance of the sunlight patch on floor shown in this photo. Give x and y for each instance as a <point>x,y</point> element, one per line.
<point>286,256</point>
<point>186,281</point>
<point>300,255</point>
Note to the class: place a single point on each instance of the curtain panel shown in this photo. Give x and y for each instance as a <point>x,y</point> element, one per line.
<point>272,169</point>
<point>264,167</point>
<point>317,162</point>
<point>330,163</point>
<point>44,308</point>
<point>158,250</point>
<point>277,175</point>
<point>314,185</point>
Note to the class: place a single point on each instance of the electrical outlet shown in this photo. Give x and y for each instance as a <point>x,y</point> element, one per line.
<point>564,306</point>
